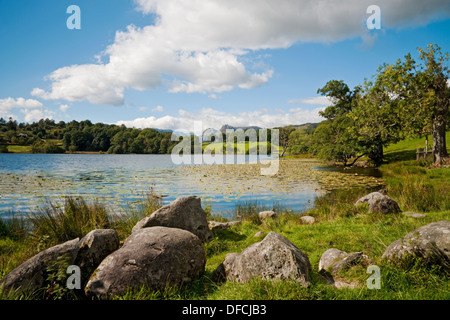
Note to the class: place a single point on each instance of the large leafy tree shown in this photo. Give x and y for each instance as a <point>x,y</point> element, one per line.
<point>335,138</point>
<point>408,98</point>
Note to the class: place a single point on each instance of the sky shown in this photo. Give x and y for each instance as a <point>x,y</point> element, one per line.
<point>167,63</point>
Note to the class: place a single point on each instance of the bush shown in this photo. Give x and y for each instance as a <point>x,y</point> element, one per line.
<point>46,147</point>
<point>4,149</point>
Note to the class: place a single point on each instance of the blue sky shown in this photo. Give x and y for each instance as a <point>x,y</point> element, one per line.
<point>166,63</point>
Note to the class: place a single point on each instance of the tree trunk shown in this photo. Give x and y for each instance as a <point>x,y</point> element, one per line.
<point>376,154</point>
<point>439,141</point>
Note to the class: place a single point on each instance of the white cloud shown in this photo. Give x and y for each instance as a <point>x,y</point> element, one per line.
<point>212,118</point>
<point>36,114</point>
<point>6,105</point>
<point>158,109</point>
<point>64,107</point>
<point>323,101</point>
<point>201,46</point>
<point>32,109</point>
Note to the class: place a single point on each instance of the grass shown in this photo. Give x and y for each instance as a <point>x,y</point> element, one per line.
<point>406,149</point>
<point>339,224</point>
<point>19,149</point>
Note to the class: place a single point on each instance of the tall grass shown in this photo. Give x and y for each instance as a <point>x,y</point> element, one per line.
<point>123,222</point>
<point>14,227</point>
<point>417,187</point>
<point>75,218</point>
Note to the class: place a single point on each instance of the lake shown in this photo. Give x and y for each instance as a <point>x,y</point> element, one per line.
<point>28,180</point>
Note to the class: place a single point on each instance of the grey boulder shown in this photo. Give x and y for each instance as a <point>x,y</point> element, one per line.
<point>154,257</point>
<point>86,253</point>
<point>335,260</point>
<point>273,258</point>
<point>31,275</point>
<point>184,213</point>
<point>95,246</point>
<point>267,214</point>
<point>430,242</point>
<point>379,202</point>
<point>215,225</point>
<point>307,220</point>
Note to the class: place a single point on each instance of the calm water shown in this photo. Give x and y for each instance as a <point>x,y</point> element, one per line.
<point>28,180</point>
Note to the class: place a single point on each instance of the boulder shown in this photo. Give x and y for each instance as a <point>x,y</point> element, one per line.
<point>379,202</point>
<point>335,260</point>
<point>267,214</point>
<point>86,253</point>
<point>414,214</point>
<point>95,246</point>
<point>154,257</point>
<point>215,225</point>
<point>351,259</point>
<point>274,258</point>
<point>329,257</point>
<point>31,275</point>
<point>307,220</point>
<point>184,213</point>
<point>430,242</point>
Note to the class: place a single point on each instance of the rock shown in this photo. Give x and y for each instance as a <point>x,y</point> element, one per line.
<point>307,220</point>
<point>379,202</point>
<point>31,274</point>
<point>156,257</point>
<point>259,234</point>
<point>351,259</point>
<point>215,225</point>
<point>267,214</point>
<point>430,242</point>
<point>274,258</point>
<point>184,213</point>
<point>414,214</point>
<point>95,246</point>
<point>335,260</point>
<point>86,253</point>
<point>329,257</point>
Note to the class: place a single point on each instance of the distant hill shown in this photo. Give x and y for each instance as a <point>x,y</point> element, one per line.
<point>226,126</point>
<point>306,126</point>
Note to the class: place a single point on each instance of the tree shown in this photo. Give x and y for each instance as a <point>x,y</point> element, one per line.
<point>284,133</point>
<point>433,80</point>
<point>409,98</point>
<point>334,138</point>
<point>299,142</point>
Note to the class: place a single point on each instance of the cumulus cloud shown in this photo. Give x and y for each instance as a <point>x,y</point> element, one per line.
<point>324,101</point>
<point>158,109</point>
<point>64,107</point>
<point>6,105</point>
<point>212,118</point>
<point>32,109</point>
<point>199,46</point>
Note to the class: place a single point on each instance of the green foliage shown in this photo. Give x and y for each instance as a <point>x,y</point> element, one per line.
<point>56,287</point>
<point>3,149</point>
<point>13,227</point>
<point>74,218</point>
<point>45,136</point>
<point>48,146</point>
<point>300,141</point>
